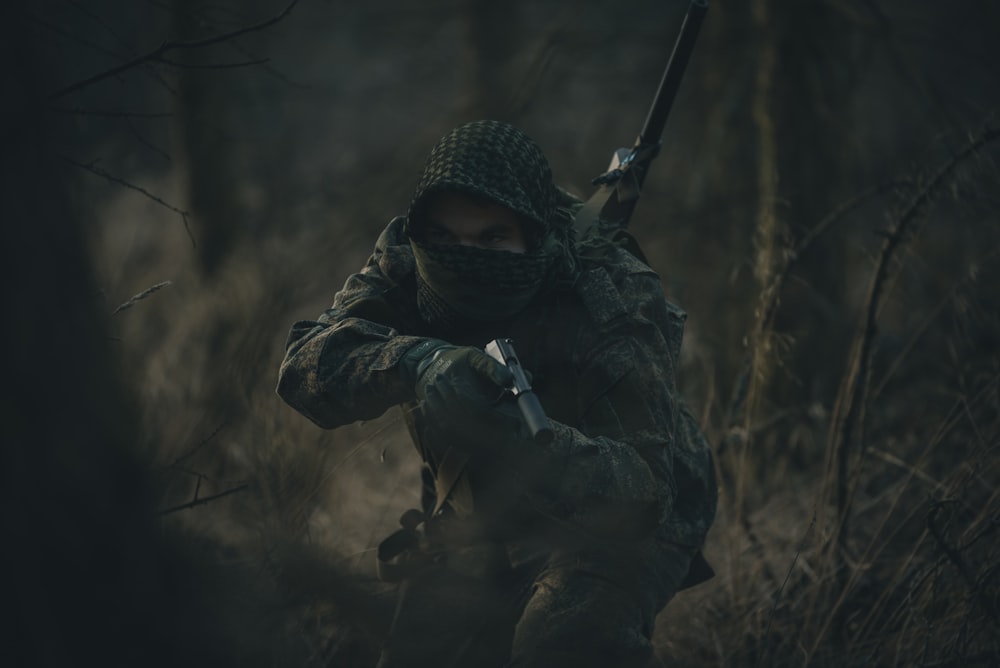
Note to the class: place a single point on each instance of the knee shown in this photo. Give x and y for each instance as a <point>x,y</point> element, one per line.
<point>579,619</point>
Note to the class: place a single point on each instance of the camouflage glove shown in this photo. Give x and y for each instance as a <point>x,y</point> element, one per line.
<point>463,393</point>
<point>416,360</point>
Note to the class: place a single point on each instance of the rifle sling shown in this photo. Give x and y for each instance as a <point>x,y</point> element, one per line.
<point>590,213</point>
<point>448,473</point>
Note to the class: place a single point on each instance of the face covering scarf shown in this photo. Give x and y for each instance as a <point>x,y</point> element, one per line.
<point>457,284</point>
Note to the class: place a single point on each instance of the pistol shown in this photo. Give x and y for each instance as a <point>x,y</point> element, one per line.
<point>502,350</point>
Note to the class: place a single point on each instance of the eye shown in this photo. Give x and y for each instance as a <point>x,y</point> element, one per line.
<point>494,237</point>
<point>439,235</point>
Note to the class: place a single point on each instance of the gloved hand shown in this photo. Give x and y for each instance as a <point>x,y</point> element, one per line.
<point>464,394</point>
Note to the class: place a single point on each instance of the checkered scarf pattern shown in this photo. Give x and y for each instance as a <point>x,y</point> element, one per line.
<point>456,284</point>
<point>493,160</point>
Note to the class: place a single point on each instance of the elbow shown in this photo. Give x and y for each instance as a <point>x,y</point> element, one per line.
<point>305,397</point>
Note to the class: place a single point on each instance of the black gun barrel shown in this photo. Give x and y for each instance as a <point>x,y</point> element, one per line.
<point>611,206</point>
<point>652,129</point>
<point>535,418</point>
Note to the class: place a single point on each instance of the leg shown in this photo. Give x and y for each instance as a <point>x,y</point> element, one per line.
<point>597,610</point>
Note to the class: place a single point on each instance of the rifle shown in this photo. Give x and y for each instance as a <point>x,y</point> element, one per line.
<point>609,209</point>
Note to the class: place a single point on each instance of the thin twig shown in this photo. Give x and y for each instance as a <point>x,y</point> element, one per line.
<point>136,298</point>
<point>914,472</point>
<point>781,589</point>
<point>203,500</point>
<point>142,140</point>
<point>156,54</point>
<point>190,453</point>
<point>239,48</point>
<point>956,558</point>
<point>94,169</point>
<point>814,233</point>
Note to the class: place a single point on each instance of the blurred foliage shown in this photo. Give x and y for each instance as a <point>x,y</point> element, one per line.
<point>154,483</point>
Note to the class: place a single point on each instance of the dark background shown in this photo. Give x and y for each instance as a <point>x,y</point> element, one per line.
<point>825,208</point>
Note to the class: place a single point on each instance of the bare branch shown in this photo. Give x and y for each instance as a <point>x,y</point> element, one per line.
<point>148,67</point>
<point>156,55</point>
<point>280,76</point>
<point>142,140</point>
<point>190,453</point>
<point>203,500</point>
<point>94,169</point>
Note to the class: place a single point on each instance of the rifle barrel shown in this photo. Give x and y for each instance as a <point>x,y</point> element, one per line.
<point>652,129</point>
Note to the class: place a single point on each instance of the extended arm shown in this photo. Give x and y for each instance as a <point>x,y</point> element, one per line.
<point>344,366</point>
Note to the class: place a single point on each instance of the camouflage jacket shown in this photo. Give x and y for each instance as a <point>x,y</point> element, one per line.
<point>602,354</point>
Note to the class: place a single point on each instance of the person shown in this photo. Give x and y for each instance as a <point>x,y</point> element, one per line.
<point>523,553</point>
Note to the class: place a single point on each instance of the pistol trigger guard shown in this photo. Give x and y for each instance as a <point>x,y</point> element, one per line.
<point>504,394</point>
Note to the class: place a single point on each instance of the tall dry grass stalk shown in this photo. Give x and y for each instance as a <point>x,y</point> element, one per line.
<point>744,411</point>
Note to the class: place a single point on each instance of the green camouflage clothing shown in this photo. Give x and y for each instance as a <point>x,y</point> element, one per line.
<point>596,529</point>
<point>602,356</point>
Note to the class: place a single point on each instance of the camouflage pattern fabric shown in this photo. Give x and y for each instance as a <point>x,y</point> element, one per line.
<point>603,358</point>
<point>597,528</point>
<point>628,492</point>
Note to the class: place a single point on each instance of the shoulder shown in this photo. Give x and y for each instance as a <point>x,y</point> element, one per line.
<point>614,283</point>
<point>620,292</point>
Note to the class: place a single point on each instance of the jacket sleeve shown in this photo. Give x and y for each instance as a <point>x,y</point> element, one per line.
<point>343,366</point>
<point>635,450</point>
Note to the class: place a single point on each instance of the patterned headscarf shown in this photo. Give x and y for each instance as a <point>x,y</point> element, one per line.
<point>499,163</point>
